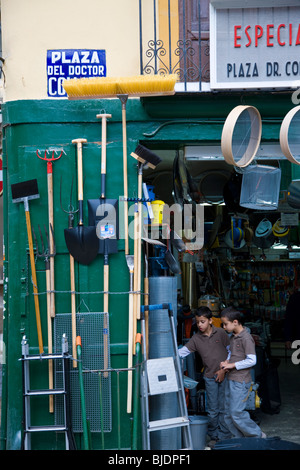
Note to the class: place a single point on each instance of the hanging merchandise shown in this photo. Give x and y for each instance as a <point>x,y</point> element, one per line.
<point>234,238</point>
<point>26,191</point>
<point>82,242</point>
<point>211,186</point>
<point>280,231</point>
<point>158,209</point>
<point>232,192</point>
<point>121,87</point>
<point>211,230</point>
<point>289,136</point>
<point>241,135</point>
<point>260,187</point>
<point>106,230</point>
<point>46,253</point>
<point>147,209</point>
<point>236,242</point>
<point>293,194</point>
<point>185,190</point>
<point>163,258</point>
<point>71,212</point>
<point>144,157</point>
<point>248,233</point>
<point>50,161</point>
<point>264,237</point>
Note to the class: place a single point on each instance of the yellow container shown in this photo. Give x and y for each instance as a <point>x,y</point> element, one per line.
<point>157,208</point>
<point>212,304</point>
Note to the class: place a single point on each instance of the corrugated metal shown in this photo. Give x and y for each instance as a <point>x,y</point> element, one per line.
<point>162,289</point>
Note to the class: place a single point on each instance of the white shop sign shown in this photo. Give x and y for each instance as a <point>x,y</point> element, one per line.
<point>257,46</point>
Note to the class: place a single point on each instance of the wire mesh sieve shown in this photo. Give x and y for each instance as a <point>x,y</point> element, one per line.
<point>90,327</point>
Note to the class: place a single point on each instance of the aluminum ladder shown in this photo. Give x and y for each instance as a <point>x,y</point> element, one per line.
<point>28,394</point>
<point>163,375</point>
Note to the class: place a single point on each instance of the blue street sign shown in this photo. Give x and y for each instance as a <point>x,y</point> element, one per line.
<point>72,63</point>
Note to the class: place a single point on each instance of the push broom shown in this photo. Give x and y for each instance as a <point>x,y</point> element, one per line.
<point>24,192</point>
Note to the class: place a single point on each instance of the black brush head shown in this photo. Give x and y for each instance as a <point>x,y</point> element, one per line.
<point>25,189</point>
<point>147,156</point>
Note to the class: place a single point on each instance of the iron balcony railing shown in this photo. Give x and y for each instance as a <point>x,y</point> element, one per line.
<point>184,48</point>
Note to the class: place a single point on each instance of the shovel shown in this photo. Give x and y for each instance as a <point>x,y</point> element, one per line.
<point>107,232</point>
<point>82,242</point>
<point>24,192</point>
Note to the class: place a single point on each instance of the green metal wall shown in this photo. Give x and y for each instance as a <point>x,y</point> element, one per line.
<point>168,122</point>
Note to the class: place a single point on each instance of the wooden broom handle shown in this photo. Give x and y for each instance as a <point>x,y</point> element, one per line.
<point>105,324</point>
<point>130,354</point>
<point>104,118</point>
<point>125,178</point>
<point>34,280</point>
<point>73,311</point>
<point>50,349</point>
<point>51,241</point>
<point>79,143</point>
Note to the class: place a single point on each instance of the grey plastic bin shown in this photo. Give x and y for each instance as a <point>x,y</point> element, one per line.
<point>198,425</point>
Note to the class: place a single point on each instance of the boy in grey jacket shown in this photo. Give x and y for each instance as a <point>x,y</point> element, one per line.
<point>238,368</point>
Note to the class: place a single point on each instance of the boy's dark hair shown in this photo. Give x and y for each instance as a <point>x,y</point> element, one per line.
<point>203,312</point>
<point>232,314</point>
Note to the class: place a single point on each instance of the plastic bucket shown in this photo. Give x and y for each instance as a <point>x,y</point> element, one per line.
<point>198,426</point>
<point>157,208</point>
<point>260,187</point>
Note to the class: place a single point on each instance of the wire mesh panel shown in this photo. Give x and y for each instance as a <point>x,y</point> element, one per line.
<point>90,327</point>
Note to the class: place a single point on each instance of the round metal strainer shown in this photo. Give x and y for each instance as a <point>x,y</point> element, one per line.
<point>290,135</point>
<point>241,135</point>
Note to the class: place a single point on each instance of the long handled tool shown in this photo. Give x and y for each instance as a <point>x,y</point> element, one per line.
<point>71,211</point>
<point>50,161</point>
<point>106,240</point>
<point>24,192</point>
<point>82,242</point>
<point>123,99</point>
<point>145,158</point>
<point>103,214</point>
<point>45,253</point>
<point>130,264</point>
<point>82,396</point>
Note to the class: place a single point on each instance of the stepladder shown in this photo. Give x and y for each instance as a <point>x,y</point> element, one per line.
<point>29,394</point>
<point>160,376</point>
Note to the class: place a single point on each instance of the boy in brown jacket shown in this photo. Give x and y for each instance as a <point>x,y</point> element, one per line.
<point>212,344</point>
